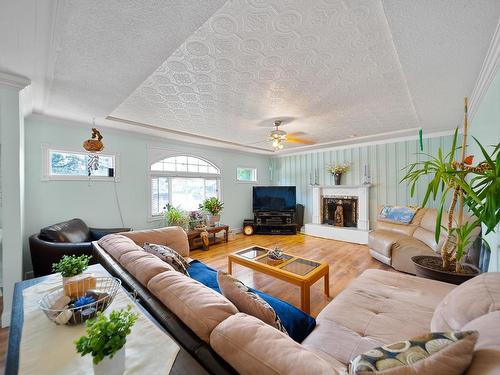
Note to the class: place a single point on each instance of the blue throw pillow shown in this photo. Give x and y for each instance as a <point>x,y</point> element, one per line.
<point>298,324</point>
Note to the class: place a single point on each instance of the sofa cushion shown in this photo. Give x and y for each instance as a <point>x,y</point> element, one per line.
<point>168,255</point>
<point>297,323</point>
<point>248,301</point>
<point>252,347</point>
<point>444,353</point>
<point>404,249</point>
<point>143,266</point>
<point>117,245</point>
<point>199,307</point>
<point>74,231</point>
<point>174,237</point>
<point>474,298</point>
<point>382,241</point>
<point>376,309</point>
<point>397,214</point>
<point>486,360</point>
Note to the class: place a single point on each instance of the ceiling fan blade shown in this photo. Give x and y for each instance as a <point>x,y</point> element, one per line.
<point>299,140</point>
<point>295,134</point>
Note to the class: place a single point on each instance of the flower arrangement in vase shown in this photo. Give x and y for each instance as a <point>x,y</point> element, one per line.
<point>337,170</point>
<point>212,207</point>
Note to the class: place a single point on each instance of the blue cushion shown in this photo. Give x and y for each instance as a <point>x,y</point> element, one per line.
<point>298,324</point>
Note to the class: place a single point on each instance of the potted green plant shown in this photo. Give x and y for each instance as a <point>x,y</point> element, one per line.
<point>105,341</point>
<point>175,216</point>
<point>212,207</point>
<point>71,268</point>
<point>337,170</point>
<point>477,187</point>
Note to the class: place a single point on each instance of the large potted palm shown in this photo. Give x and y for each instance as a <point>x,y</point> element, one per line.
<point>474,186</point>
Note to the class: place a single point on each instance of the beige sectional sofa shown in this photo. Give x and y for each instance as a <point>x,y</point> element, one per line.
<point>379,307</point>
<point>394,244</point>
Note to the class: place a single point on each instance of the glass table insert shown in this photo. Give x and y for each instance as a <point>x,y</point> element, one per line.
<point>300,266</point>
<point>253,252</point>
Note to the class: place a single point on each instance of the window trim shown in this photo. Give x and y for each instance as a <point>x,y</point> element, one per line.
<point>249,181</point>
<point>46,176</point>
<point>165,154</point>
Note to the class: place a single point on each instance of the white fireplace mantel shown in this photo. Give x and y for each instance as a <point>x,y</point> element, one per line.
<point>356,235</point>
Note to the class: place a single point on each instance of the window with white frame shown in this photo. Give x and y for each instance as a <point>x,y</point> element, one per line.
<point>74,165</point>
<point>244,174</point>
<point>183,181</point>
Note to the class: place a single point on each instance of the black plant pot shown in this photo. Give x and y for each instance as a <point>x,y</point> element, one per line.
<point>423,267</point>
<point>338,177</point>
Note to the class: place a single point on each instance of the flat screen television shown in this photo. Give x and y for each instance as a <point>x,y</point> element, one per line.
<point>274,198</point>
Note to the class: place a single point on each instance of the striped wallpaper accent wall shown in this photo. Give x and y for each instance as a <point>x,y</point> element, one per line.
<point>385,162</point>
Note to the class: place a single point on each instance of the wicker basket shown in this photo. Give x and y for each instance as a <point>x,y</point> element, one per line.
<point>106,289</point>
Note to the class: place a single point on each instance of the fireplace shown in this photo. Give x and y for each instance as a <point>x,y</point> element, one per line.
<point>340,211</point>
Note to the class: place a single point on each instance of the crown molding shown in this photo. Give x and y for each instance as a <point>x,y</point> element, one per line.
<point>487,74</point>
<point>376,140</point>
<point>14,80</point>
<point>190,137</point>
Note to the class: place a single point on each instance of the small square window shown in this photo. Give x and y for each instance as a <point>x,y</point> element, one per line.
<point>244,174</point>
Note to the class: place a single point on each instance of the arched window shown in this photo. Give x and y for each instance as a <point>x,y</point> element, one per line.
<point>183,181</point>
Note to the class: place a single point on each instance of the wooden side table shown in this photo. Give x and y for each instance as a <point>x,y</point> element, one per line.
<point>194,237</point>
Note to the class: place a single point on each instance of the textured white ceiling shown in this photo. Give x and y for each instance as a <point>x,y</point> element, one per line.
<point>441,45</point>
<point>329,64</point>
<point>222,69</point>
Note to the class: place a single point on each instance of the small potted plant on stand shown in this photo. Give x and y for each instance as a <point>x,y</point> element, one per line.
<point>75,282</point>
<point>105,340</point>
<point>212,207</point>
<point>174,216</point>
<point>337,170</point>
<point>477,187</point>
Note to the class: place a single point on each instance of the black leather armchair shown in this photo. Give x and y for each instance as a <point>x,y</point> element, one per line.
<point>72,237</point>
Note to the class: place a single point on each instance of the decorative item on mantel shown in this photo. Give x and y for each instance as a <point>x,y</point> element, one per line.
<point>337,170</point>
<point>314,179</point>
<point>367,180</point>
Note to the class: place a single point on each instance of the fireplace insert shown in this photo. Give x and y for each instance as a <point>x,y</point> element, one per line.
<point>340,211</point>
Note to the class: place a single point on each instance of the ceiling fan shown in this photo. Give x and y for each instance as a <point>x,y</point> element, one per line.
<point>278,137</point>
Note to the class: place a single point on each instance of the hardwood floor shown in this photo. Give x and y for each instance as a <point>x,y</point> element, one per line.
<point>346,261</point>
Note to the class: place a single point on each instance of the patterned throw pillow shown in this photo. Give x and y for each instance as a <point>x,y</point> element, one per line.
<point>169,256</point>
<point>419,355</point>
<point>247,301</point>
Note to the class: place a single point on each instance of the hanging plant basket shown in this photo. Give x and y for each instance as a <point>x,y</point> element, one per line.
<point>431,267</point>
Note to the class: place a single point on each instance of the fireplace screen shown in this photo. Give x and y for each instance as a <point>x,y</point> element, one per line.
<point>340,211</point>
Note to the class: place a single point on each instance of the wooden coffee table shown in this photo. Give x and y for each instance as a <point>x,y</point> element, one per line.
<point>293,269</point>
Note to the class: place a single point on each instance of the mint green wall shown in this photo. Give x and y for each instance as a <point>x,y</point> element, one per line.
<point>48,202</point>
<point>486,128</point>
<point>385,163</point>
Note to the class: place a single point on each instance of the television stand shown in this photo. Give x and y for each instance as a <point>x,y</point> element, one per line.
<point>271,222</point>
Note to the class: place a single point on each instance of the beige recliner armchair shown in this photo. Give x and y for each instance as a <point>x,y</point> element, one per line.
<point>395,244</point>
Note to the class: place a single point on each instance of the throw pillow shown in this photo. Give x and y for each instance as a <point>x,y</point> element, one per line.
<point>444,353</point>
<point>247,301</point>
<point>169,256</point>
